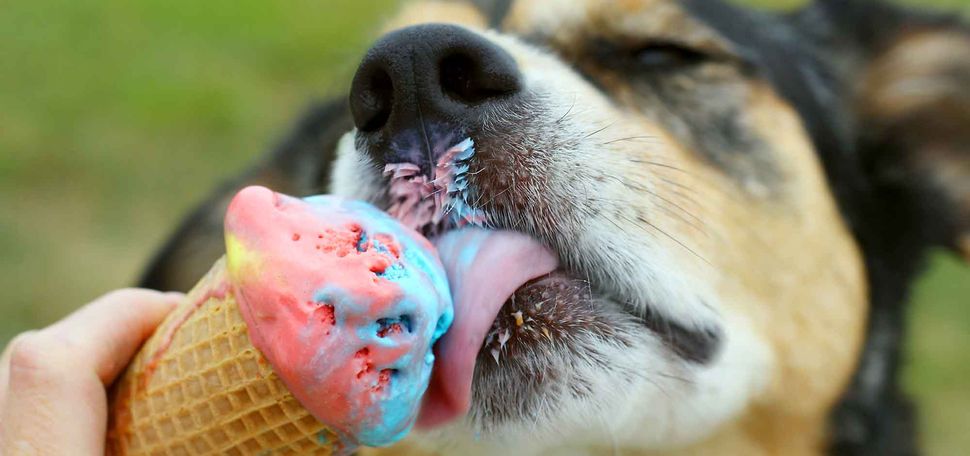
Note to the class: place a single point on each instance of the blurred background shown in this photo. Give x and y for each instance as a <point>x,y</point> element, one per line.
<point>116,116</point>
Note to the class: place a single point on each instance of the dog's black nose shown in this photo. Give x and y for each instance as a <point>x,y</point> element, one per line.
<point>429,73</point>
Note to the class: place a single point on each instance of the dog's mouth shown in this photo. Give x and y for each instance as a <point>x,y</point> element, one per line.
<point>511,293</point>
<point>490,272</point>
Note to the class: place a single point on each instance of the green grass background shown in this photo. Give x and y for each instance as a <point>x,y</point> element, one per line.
<point>117,115</point>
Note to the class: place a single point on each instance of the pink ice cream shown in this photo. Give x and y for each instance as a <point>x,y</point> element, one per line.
<point>344,302</point>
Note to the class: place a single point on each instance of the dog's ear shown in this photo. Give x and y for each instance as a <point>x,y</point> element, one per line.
<point>912,105</point>
<point>299,166</point>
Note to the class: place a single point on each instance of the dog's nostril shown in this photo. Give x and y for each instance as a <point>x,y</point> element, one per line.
<point>455,77</point>
<point>372,104</point>
<point>462,78</point>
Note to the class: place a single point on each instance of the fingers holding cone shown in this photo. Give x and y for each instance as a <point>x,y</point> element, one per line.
<point>52,381</point>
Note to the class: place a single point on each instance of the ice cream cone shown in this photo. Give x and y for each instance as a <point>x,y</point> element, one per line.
<point>199,386</point>
<point>313,335</point>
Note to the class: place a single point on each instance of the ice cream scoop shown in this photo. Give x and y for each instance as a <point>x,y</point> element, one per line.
<point>339,297</point>
<point>313,335</point>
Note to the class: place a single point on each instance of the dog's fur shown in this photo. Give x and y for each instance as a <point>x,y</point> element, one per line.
<point>749,195</point>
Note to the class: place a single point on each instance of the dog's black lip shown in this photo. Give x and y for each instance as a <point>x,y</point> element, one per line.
<point>694,345</point>
<point>698,346</point>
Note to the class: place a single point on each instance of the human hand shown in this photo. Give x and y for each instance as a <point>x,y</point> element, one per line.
<point>53,380</point>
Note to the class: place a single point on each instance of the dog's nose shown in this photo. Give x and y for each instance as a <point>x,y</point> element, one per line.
<point>429,73</point>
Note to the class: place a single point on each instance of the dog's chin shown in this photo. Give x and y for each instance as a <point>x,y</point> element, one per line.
<point>550,348</point>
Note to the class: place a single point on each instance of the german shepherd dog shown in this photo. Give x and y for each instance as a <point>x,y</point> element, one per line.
<point>740,201</point>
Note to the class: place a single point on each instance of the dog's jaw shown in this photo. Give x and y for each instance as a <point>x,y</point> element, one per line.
<point>635,397</point>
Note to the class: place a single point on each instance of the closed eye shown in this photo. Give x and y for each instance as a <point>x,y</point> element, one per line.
<point>646,58</point>
<point>664,56</point>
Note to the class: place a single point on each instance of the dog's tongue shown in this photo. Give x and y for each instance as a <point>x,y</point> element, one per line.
<point>484,269</point>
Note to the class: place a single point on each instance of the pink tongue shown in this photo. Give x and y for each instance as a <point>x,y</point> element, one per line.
<point>484,269</point>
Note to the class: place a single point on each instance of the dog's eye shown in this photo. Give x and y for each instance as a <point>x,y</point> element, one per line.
<point>664,56</point>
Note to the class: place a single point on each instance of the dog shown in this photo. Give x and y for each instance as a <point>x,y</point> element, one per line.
<point>740,201</point>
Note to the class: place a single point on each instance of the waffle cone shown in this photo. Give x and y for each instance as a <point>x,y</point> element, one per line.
<point>198,386</point>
